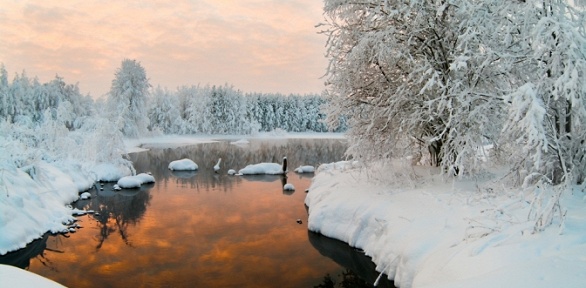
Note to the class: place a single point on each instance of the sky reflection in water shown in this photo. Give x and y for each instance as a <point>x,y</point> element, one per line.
<point>199,229</point>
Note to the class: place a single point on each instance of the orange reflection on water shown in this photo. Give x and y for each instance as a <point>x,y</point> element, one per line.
<point>196,229</point>
<point>189,237</point>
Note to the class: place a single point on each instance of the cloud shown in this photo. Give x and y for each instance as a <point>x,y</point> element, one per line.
<point>257,45</point>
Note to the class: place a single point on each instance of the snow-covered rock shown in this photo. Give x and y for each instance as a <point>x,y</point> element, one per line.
<point>262,168</point>
<point>146,178</point>
<point>305,169</point>
<point>288,187</point>
<point>231,172</point>
<point>85,195</point>
<point>129,182</point>
<point>135,181</point>
<point>265,168</point>
<point>183,164</point>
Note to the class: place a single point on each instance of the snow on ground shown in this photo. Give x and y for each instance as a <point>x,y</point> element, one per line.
<point>439,233</point>
<point>34,201</point>
<point>110,172</point>
<point>15,277</point>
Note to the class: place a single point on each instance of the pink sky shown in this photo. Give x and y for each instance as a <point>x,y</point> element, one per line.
<point>255,45</point>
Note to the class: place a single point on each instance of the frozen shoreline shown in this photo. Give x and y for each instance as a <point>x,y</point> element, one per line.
<point>440,233</point>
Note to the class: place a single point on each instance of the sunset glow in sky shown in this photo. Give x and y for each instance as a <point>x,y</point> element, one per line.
<point>255,45</point>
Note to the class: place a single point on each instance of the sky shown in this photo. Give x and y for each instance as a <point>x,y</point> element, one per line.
<point>269,46</point>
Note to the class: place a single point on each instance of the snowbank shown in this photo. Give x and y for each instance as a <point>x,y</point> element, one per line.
<point>183,164</point>
<point>15,277</point>
<point>34,201</point>
<point>447,234</point>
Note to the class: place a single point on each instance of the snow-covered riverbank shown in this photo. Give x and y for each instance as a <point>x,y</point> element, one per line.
<point>437,233</point>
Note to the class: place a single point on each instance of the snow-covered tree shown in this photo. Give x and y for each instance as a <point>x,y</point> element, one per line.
<point>163,112</point>
<point>445,76</point>
<point>548,110</point>
<point>127,98</point>
<point>390,69</point>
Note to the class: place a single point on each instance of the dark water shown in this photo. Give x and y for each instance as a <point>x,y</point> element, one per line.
<point>201,229</point>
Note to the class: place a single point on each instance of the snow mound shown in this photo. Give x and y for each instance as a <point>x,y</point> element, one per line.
<point>183,164</point>
<point>262,168</point>
<point>128,182</point>
<point>146,178</point>
<point>289,187</point>
<point>305,169</point>
<point>135,181</point>
<point>85,195</point>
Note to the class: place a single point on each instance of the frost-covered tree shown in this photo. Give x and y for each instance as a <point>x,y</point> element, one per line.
<point>226,111</point>
<point>391,69</point>
<point>163,112</point>
<point>127,98</point>
<point>443,76</point>
<point>194,102</point>
<point>548,110</point>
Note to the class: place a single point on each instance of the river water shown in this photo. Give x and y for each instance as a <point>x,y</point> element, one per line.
<point>204,229</point>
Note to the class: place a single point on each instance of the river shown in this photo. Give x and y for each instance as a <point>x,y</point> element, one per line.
<point>204,229</point>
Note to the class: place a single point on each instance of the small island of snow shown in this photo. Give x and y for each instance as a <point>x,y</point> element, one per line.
<point>135,181</point>
<point>305,169</point>
<point>262,168</point>
<point>183,164</point>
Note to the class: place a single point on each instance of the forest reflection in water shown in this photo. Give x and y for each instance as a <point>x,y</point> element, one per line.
<point>199,229</point>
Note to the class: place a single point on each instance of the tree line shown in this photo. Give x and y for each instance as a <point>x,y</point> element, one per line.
<point>136,109</point>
